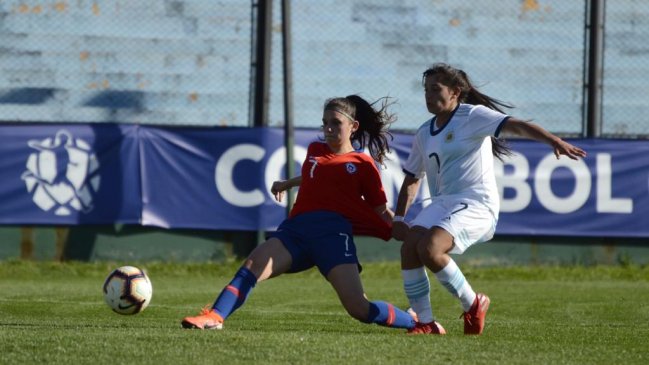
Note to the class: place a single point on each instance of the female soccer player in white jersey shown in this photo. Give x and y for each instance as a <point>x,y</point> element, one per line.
<point>455,150</point>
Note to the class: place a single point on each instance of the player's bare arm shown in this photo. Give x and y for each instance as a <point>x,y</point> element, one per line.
<point>530,130</point>
<point>407,195</point>
<point>279,187</point>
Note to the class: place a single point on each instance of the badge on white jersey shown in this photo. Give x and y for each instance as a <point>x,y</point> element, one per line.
<point>449,137</point>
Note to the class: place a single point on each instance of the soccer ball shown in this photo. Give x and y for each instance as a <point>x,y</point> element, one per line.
<point>127,290</point>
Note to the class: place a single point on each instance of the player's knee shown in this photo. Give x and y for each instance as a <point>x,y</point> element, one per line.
<point>434,256</point>
<point>431,250</point>
<point>255,266</point>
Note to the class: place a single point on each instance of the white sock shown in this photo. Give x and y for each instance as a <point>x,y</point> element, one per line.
<point>453,280</point>
<point>417,288</point>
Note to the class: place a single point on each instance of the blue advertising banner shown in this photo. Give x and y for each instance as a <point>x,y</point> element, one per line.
<point>605,194</point>
<point>212,178</point>
<point>220,178</point>
<point>69,174</point>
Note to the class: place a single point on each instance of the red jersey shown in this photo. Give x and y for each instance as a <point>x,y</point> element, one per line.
<point>349,184</point>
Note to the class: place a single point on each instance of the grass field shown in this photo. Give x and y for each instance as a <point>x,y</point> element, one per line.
<point>54,313</point>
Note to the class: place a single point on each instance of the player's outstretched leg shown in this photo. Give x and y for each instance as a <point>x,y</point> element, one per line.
<point>346,280</point>
<point>232,297</point>
<point>386,314</point>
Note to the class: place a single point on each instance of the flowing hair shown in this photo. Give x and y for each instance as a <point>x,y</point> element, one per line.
<point>456,78</point>
<point>373,122</point>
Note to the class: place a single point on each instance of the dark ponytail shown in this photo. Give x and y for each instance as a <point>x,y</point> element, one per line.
<point>456,78</point>
<point>373,123</point>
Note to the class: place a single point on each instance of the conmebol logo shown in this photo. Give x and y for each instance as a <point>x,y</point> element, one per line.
<point>62,174</point>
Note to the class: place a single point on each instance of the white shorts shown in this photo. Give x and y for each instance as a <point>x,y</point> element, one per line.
<point>468,221</point>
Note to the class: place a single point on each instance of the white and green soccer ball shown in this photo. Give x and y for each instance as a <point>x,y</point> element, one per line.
<point>127,290</point>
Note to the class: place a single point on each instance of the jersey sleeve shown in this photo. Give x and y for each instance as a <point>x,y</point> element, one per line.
<point>486,122</point>
<point>414,165</point>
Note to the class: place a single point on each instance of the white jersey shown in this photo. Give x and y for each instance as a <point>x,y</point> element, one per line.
<point>457,158</point>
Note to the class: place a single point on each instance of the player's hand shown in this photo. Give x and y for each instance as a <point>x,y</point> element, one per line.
<point>562,147</point>
<point>400,230</point>
<point>278,189</point>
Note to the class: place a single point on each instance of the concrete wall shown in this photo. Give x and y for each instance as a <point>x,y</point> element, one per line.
<point>188,61</point>
<point>530,56</point>
<point>144,61</point>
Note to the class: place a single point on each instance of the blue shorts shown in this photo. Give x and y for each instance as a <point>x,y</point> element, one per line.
<point>322,239</point>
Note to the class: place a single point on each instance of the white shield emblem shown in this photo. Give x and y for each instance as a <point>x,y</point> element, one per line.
<point>62,174</point>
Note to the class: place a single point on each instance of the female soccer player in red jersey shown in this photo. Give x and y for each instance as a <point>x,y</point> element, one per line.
<point>340,195</point>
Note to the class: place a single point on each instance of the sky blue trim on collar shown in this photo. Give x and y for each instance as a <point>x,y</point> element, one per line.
<point>432,124</point>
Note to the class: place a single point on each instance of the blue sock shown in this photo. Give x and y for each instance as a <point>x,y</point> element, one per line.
<point>385,314</point>
<point>235,293</point>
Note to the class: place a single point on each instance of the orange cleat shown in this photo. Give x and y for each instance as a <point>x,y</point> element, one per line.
<point>207,320</point>
<point>474,318</point>
<point>432,328</point>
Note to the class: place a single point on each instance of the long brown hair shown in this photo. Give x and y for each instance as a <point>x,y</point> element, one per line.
<point>373,122</point>
<point>456,78</point>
